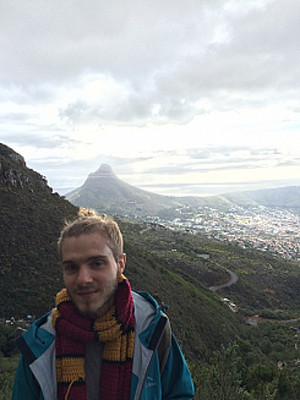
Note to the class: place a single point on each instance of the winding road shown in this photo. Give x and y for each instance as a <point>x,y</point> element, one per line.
<point>232,280</point>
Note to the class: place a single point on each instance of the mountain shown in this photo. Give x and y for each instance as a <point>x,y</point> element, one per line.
<point>105,192</point>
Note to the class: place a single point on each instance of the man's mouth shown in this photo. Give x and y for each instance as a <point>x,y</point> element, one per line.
<point>86,294</point>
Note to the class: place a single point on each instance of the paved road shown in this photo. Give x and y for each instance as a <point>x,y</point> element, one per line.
<point>232,280</point>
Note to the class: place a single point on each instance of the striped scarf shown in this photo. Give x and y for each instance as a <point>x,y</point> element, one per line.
<point>73,331</point>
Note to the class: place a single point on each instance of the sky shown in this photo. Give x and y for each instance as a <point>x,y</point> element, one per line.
<point>179,97</point>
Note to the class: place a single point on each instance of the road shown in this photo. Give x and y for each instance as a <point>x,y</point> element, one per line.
<point>232,280</point>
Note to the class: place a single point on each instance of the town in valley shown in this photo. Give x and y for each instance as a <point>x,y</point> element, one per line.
<point>267,229</point>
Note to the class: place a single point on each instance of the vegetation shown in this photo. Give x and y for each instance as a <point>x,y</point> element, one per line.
<point>226,376</point>
<point>31,217</point>
<point>8,367</point>
<point>8,356</point>
<point>267,285</point>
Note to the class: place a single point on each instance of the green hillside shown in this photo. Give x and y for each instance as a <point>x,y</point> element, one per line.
<point>31,217</point>
<point>267,285</point>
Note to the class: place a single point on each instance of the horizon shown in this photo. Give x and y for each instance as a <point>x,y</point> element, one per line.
<point>196,190</point>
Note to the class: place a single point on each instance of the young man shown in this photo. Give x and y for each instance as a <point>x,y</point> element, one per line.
<point>101,341</point>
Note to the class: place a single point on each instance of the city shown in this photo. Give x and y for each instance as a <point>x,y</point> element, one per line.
<point>267,229</point>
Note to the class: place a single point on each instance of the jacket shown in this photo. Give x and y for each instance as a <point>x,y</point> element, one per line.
<point>35,377</point>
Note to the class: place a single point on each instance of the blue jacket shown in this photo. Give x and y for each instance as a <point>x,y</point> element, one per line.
<point>36,373</point>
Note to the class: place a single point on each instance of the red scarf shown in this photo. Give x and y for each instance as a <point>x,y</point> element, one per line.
<point>73,331</point>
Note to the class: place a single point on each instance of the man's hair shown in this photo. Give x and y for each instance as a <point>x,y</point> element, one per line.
<point>90,222</point>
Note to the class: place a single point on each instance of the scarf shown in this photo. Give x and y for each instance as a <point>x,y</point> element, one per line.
<point>73,331</point>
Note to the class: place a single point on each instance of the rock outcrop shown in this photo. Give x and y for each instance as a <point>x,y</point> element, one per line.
<point>14,172</point>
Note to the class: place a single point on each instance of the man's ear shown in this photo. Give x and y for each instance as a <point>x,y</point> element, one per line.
<point>122,263</point>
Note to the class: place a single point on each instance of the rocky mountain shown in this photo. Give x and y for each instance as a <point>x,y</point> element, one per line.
<point>105,192</point>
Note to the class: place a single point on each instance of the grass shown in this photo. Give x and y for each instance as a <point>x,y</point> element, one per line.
<point>8,367</point>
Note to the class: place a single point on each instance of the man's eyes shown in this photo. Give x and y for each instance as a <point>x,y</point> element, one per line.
<point>95,264</point>
<point>70,268</point>
<point>92,264</point>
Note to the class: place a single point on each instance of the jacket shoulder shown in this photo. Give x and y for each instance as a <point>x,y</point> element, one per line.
<point>36,340</point>
<point>145,311</point>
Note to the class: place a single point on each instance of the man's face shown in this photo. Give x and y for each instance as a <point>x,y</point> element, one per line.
<point>90,273</point>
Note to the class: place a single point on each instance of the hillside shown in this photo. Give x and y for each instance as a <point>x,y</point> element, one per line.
<point>267,285</point>
<point>31,217</point>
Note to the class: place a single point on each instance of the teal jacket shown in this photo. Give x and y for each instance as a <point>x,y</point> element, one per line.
<point>36,373</point>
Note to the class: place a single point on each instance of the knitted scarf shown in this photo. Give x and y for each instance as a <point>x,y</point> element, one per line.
<point>73,331</point>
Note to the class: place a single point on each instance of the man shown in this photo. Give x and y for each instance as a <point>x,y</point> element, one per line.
<point>101,341</point>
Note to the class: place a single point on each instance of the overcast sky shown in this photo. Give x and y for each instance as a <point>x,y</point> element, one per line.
<point>178,96</point>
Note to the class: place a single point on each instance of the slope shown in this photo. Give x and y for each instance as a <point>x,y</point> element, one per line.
<point>31,217</point>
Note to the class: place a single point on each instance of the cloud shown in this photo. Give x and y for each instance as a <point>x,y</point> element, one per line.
<point>169,61</point>
<point>186,88</point>
<point>35,142</point>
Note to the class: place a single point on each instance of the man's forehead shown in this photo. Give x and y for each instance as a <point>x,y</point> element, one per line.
<point>94,244</point>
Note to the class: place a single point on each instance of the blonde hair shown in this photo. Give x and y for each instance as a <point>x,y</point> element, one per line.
<point>88,221</point>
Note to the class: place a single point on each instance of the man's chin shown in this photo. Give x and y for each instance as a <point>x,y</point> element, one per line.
<point>93,311</point>
<point>87,311</point>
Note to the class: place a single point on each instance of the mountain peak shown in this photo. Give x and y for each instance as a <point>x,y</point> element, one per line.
<point>14,172</point>
<point>6,151</point>
<point>104,171</point>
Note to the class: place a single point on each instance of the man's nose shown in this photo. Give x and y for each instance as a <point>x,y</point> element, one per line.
<point>84,275</point>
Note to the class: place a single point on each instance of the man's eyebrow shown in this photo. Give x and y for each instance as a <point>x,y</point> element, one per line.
<point>91,258</point>
<point>99,256</point>
<point>68,262</point>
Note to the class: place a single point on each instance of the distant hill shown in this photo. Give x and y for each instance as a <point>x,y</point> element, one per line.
<point>284,198</point>
<point>105,192</point>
